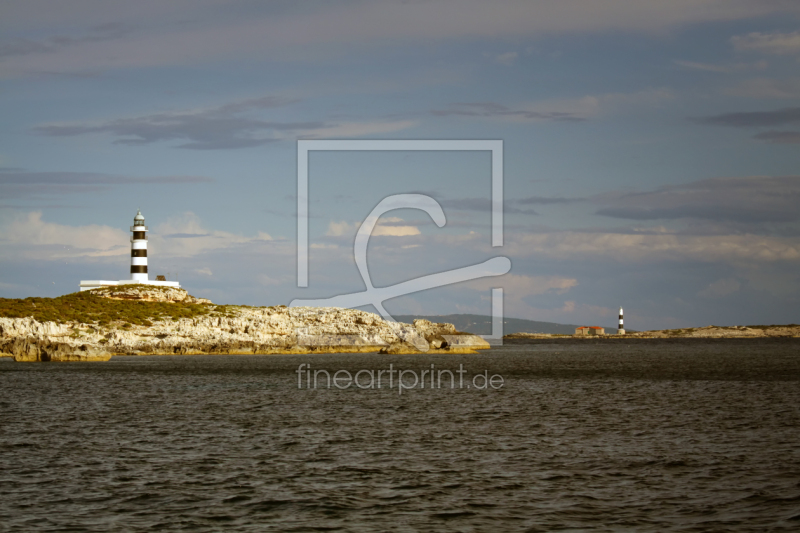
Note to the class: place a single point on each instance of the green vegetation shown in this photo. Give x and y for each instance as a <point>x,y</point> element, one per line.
<point>129,287</point>
<point>89,308</point>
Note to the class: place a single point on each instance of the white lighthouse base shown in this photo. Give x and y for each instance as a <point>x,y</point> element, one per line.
<point>87,285</point>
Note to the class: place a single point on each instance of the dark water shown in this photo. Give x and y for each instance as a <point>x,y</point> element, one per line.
<point>694,436</point>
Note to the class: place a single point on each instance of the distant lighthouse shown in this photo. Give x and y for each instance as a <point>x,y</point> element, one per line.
<point>621,329</point>
<point>139,249</point>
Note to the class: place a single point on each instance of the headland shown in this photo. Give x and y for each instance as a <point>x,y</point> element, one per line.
<point>94,325</point>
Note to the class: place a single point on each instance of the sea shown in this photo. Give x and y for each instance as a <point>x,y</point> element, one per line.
<point>647,435</point>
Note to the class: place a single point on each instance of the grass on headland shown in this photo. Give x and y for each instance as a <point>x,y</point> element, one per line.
<point>89,308</point>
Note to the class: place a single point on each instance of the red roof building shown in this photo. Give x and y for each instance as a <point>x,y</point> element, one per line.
<point>590,330</point>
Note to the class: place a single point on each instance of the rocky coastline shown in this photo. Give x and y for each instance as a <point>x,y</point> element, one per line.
<point>217,330</point>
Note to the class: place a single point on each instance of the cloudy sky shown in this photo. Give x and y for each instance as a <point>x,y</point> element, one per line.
<point>652,150</point>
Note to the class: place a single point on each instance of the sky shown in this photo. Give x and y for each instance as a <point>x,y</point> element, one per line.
<point>651,151</point>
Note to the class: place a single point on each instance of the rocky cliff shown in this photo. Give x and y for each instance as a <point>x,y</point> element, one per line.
<point>210,329</point>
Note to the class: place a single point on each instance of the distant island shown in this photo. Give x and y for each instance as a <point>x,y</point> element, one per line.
<point>706,332</point>
<point>482,324</point>
<point>518,328</point>
<point>138,319</point>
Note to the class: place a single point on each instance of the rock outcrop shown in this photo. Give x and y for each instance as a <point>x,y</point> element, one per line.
<point>239,330</point>
<point>438,336</point>
<point>148,293</point>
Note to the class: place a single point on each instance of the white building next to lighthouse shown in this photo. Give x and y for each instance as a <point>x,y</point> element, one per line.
<point>138,262</point>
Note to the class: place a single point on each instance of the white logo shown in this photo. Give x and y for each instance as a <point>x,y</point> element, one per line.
<point>375,296</point>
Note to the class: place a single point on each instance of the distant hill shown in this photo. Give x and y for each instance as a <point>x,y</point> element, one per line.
<point>482,324</point>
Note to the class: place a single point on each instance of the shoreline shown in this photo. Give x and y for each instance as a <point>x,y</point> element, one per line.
<point>133,319</point>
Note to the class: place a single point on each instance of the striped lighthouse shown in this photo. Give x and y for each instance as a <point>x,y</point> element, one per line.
<point>139,249</point>
<point>621,329</point>
<point>138,263</point>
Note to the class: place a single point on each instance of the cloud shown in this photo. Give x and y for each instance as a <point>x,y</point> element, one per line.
<point>88,178</point>
<point>747,199</point>
<point>356,129</point>
<point>545,200</point>
<point>341,229</point>
<point>183,32</point>
<point>386,227</point>
<point>568,312</point>
<point>507,59</point>
<point>96,34</point>
<point>761,119</point>
<point>754,119</point>
<point>185,236</point>
<point>519,291</point>
<point>520,286</point>
<point>395,231</point>
<point>483,205</point>
<point>263,279</point>
<point>595,105</point>
<point>653,248</point>
<point>215,128</point>
<point>768,43</point>
<point>494,110</point>
<point>570,308</point>
<point>721,287</point>
<point>204,271</point>
<point>779,137</point>
<point>722,69</point>
<point>28,236</point>
<point>511,206</point>
<point>223,127</point>
<point>767,88</point>
<point>18,183</point>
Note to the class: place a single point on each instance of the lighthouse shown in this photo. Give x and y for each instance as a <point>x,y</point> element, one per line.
<point>139,249</point>
<point>138,262</point>
<point>621,329</point>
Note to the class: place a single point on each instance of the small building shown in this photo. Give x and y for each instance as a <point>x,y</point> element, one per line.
<point>589,330</point>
